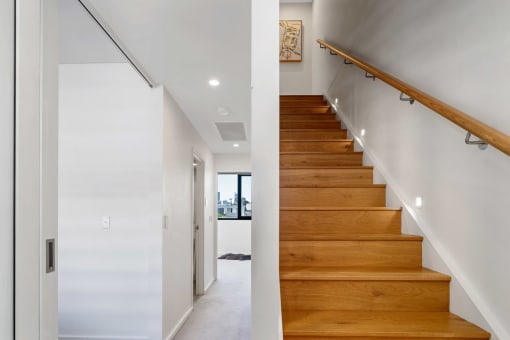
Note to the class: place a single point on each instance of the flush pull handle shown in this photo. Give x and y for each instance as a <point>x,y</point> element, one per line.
<point>50,255</point>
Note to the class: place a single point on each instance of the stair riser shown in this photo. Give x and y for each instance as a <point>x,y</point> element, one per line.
<point>320,160</point>
<point>324,177</point>
<point>340,222</point>
<point>333,197</point>
<point>306,135</point>
<point>365,295</point>
<point>311,146</point>
<point>310,125</point>
<point>304,109</point>
<point>307,116</point>
<point>360,254</point>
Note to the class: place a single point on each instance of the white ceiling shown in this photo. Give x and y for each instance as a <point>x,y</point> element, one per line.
<point>81,39</point>
<point>181,44</point>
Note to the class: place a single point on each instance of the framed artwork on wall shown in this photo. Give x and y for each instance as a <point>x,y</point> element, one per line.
<point>291,40</point>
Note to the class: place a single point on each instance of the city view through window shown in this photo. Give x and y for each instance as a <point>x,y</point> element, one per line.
<point>234,196</point>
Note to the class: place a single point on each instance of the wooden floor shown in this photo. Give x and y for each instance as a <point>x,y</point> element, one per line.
<point>346,271</point>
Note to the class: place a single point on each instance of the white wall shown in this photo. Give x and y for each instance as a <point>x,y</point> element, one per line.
<point>234,236</point>
<point>296,78</point>
<point>181,140</point>
<point>265,171</point>
<point>458,51</point>
<point>6,165</point>
<point>110,165</point>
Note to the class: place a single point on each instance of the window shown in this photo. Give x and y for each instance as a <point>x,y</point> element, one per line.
<point>234,196</point>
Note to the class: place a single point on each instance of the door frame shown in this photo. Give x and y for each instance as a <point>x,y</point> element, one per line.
<point>198,200</point>
<point>36,164</point>
<point>7,83</point>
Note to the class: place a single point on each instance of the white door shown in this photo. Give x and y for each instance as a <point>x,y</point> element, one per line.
<point>6,167</point>
<point>36,104</point>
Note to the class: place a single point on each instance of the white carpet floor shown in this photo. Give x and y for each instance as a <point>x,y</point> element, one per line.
<point>224,312</point>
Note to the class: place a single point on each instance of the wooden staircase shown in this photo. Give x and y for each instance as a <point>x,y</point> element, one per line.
<point>346,271</point>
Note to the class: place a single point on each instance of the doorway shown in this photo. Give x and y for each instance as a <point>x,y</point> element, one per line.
<point>197,226</point>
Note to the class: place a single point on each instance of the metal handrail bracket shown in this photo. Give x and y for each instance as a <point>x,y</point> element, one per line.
<point>368,75</point>
<point>481,144</point>
<point>406,99</point>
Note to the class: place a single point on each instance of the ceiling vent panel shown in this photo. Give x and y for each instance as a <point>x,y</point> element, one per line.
<point>231,131</point>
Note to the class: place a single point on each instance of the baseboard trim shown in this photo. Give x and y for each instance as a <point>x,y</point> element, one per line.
<point>179,325</point>
<point>444,254</point>
<point>101,337</point>
<point>209,285</point>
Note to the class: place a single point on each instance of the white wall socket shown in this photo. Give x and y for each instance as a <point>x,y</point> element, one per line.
<point>106,222</point>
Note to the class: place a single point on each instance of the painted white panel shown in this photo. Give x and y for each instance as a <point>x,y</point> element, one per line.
<point>234,237</point>
<point>110,165</point>
<point>265,170</point>
<point>180,141</point>
<point>296,78</point>
<point>49,167</point>
<point>27,201</point>
<point>6,166</point>
<point>457,51</point>
<point>232,163</point>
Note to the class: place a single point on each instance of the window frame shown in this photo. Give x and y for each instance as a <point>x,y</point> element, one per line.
<point>239,175</point>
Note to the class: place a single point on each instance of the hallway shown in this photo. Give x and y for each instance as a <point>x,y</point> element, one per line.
<point>224,312</point>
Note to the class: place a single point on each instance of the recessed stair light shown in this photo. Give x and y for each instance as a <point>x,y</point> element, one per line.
<point>223,111</point>
<point>214,82</point>
<point>235,145</point>
<point>419,202</point>
<point>362,132</point>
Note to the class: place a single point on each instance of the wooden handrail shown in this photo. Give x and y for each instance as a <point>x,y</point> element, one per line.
<point>483,131</point>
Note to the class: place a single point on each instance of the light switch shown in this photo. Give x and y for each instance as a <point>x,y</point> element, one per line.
<point>106,222</point>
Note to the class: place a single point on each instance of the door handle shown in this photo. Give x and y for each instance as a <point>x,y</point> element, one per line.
<point>50,255</point>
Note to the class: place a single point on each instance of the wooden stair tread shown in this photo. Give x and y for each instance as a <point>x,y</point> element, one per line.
<point>333,208</point>
<point>306,130</point>
<point>343,186</point>
<point>347,237</point>
<point>332,140</point>
<point>317,153</point>
<point>298,96</point>
<point>380,324</point>
<point>315,121</point>
<point>308,106</point>
<point>361,274</point>
<point>319,168</point>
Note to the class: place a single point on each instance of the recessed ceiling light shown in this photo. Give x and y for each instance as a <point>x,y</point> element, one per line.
<point>362,132</point>
<point>235,145</point>
<point>419,202</point>
<point>214,82</point>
